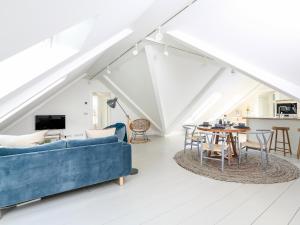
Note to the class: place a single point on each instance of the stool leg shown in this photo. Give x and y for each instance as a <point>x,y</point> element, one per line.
<point>271,142</point>
<point>276,134</point>
<point>289,143</point>
<point>283,136</point>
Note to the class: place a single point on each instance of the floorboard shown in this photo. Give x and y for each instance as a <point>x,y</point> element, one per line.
<point>163,193</point>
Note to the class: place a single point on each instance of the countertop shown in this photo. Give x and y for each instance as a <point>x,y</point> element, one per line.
<point>271,118</point>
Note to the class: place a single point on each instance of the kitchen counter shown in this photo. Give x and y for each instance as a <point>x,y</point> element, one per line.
<point>257,123</point>
<point>272,118</point>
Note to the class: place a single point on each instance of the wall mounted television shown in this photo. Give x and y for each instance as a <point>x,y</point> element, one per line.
<point>50,122</point>
<point>286,108</point>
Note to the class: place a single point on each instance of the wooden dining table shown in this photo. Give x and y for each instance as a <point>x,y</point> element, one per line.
<point>230,130</point>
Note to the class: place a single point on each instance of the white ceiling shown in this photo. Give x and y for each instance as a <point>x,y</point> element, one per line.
<point>261,39</point>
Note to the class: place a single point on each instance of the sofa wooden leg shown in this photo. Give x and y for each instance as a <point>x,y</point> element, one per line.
<point>1,213</point>
<point>121,181</point>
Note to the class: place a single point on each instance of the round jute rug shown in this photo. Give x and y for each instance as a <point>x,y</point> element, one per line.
<point>250,170</point>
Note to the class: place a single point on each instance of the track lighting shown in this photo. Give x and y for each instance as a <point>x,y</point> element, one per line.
<point>159,36</point>
<point>135,50</point>
<point>166,53</point>
<point>108,71</point>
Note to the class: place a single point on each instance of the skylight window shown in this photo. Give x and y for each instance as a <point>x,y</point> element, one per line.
<point>21,68</point>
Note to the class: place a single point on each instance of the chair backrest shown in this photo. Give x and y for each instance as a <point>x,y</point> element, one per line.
<point>210,138</point>
<point>140,124</point>
<point>263,137</point>
<point>189,129</point>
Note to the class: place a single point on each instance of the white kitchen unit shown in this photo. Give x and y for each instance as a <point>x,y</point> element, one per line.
<point>268,122</point>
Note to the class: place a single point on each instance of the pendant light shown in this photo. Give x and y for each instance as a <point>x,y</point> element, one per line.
<point>135,50</point>
<point>159,36</point>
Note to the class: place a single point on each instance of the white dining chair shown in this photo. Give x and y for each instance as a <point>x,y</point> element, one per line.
<point>210,147</point>
<point>261,144</point>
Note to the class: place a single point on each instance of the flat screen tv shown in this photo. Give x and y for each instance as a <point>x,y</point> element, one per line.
<point>50,122</point>
<point>286,108</point>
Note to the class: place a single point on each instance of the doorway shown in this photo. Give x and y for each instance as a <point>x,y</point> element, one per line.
<point>101,115</point>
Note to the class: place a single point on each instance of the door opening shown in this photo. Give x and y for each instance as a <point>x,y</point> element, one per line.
<point>101,115</point>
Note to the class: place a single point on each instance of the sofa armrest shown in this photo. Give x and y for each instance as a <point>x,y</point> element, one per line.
<point>127,156</point>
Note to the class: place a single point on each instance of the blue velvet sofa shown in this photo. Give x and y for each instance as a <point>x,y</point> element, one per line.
<point>32,173</point>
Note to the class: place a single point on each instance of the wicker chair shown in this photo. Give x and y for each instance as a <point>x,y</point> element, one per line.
<point>139,127</point>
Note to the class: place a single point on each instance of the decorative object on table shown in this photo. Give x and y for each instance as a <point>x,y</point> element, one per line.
<point>139,127</point>
<point>112,103</point>
<point>121,131</point>
<point>262,144</point>
<point>278,170</point>
<point>285,140</point>
<point>219,126</point>
<point>241,125</point>
<point>205,124</point>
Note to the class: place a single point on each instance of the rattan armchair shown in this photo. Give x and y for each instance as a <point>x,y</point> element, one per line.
<point>139,127</point>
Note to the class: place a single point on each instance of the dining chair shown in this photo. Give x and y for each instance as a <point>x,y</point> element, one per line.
<point>209,146</point>
<point>261,144</point>
<point>189,138</point>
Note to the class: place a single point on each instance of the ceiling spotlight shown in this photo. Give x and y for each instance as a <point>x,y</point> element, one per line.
<point>159,36</point>
<point>166,53</point>
<point>232,71</point>
<point>108,71</point>
<point>135,50</point>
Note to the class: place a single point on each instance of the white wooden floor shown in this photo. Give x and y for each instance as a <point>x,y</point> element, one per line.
<point>164,193</point>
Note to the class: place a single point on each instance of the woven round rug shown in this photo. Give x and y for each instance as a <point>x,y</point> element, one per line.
<point>250,171</point>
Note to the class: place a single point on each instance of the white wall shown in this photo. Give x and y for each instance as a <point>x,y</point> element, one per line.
<point>71,103</point>
<point>179,78</point>
<point>133,77</point>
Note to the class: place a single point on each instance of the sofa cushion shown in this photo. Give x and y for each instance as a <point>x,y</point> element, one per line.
<point>100,133</point>
<point>92,141</point>
<point>27,140</point>
<point>39,148</point>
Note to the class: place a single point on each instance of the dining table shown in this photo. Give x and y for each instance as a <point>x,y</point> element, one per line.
<point>230,130</point>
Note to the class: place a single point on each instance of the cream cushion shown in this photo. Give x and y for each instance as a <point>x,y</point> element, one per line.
<point>23,140</point>
<point>100,133</point>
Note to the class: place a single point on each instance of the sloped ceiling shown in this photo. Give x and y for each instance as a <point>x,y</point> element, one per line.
<point>248,36</point>
<point>180,88</point>
<point>35,21</point>
<point>261,38</point>
<point>133,77</point>
<point>25,23</point>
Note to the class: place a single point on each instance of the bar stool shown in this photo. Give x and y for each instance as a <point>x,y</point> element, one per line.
<point>285,140</point>
<point>298,152</point>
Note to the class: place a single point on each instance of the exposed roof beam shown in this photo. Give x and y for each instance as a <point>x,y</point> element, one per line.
<point>190,106</point>
<point>123,95</point>
<point>150,62</point>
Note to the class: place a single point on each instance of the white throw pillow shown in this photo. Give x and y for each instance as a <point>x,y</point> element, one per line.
<point>23,140</point>
<point>100,133</point>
